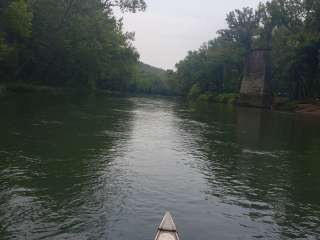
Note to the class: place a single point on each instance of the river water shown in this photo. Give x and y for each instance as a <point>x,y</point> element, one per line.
<point>96,167</point>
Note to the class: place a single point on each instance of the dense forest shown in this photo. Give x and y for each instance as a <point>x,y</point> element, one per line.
<point>79,43</point>
<point>290,28</point>
<point>67,43</point>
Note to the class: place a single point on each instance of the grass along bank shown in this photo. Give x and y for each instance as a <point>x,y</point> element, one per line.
<point>227,98</point>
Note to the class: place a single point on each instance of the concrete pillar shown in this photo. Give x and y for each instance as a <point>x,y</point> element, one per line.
<point>256,85</point>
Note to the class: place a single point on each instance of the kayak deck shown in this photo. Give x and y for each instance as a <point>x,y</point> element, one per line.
<point>167,229</point>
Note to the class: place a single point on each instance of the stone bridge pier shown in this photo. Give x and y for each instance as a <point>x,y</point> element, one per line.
<point>256,84</point>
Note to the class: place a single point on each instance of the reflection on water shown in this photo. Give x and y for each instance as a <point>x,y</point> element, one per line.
<point>97,167</point>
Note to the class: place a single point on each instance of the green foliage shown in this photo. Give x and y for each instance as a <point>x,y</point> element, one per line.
<point>205,97</point>
<point>82,44</point>
<point>18,19</point>
<point>129,5</point>
<point>8,59</point>
<point>291,28</point>
<point>150,80</point>
<point>15,30</point>
<point>287,105</point>
<point>173,83</point>
<point>67,43</point>
<point>230,98</point>
<point>194,92</point>
<point>4,49</point>
<point>296,46</point>
<point>216,67</point>
<point>243,25</point>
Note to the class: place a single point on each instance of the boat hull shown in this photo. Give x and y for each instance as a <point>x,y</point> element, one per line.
<point>167,229</point>
<point>161,235</point>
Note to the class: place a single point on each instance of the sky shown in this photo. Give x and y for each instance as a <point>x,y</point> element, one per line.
<point>168,29</point>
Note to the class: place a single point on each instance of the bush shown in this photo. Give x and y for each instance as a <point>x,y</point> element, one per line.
<point>194,92</point>
<point>204,98</point>
<point>287,106</point>
<point>230,98</point>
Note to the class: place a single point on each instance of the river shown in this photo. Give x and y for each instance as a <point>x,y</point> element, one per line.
<point>98,167</point>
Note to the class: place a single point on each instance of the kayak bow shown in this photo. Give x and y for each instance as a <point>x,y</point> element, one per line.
<point>167,229</point>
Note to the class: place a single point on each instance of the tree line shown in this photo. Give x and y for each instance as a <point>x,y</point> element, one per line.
<point>80,43</point>
<point>67,43</point>
<point>290,28</point>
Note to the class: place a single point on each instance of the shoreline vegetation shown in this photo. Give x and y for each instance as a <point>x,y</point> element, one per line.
<point>307,107</point>
<point>57,45</point>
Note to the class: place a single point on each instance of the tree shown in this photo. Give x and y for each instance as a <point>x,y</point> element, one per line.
<point>75,43</point>
<point>17,21</point>
<point>16,30</point>
<point>291,28</point>
<point>243,26</point>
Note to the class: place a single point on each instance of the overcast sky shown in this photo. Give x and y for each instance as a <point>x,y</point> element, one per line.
<point>168,29</point>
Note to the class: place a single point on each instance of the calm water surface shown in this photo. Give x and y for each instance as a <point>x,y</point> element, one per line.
<point>97,167</point>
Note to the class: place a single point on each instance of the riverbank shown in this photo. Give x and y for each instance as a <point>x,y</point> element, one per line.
<point>310,107</point>
<point>227,98</point>
<point>12,88</point>
<point>23,88</point>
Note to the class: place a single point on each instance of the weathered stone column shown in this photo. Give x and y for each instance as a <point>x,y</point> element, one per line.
<point>256,85</point>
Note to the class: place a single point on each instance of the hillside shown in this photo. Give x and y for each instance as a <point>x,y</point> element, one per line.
<point>155,71</point>
<point>150,80</point>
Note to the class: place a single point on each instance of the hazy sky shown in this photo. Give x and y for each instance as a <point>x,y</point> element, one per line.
<point>170,28</point>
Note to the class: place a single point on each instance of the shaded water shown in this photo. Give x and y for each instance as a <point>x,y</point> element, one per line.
<point>107,168</point>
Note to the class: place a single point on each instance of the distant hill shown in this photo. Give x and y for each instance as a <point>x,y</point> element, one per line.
<point>150,80</point>
<point>148,69</point>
